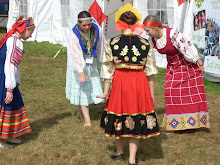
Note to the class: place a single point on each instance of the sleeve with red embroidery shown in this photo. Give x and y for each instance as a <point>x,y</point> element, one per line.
<point>13,58</point>
<point>185,46</point>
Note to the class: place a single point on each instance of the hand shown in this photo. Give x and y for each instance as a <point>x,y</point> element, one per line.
<point>105,97</point>
<point>201,69</point>
<point>153,99</point>
<point>82,77</point>
<point>9,97</point>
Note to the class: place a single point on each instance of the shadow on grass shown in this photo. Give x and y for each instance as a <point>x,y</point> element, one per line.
<point>191,131</point>
<point>147,149</point>
<point>160,110</point>
<point>151,148</point>
<point>38,125</point>
<point>96,111</point>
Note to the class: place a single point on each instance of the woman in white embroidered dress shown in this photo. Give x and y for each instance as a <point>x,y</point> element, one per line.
<point>185,97</point>
<point>85,49</point>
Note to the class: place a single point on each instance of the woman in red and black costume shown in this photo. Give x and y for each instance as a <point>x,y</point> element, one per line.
<point>185,97</point>
<point>129,64</point>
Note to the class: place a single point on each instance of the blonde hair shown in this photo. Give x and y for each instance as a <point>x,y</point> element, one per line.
<point>18,18</point>
<point>152,18</point>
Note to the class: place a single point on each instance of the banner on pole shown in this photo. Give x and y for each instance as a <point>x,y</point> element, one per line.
<point>4,6</point>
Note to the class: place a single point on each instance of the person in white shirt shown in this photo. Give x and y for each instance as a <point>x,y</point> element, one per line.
<point>84,51</point>
<point>13,117</point>
<point>185,97</point>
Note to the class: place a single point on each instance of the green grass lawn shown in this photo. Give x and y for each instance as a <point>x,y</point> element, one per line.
<point>3,30</point>
<point>59,138</point>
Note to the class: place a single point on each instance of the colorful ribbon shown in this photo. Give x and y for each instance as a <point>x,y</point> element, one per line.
<point>136,28</point>
<point>152,24</point>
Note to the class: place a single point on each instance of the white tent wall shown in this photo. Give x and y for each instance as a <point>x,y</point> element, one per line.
<point>42,13</point>
<point>179,15</point>
<point>13,12</point>
<point>3,21</point>
<point>63,19</point>
<point>170,13</point>
<point>110,7</point>
<point>53,18</point>
<point>142,7</point>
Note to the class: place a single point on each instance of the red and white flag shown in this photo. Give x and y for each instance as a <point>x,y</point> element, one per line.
<point>96,11</point>
<point>181,2</point>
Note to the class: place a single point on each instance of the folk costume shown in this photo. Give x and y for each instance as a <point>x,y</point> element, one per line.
<point>84,53</point>
<point>13,117</point>
<point>185,97</point>
<point>129,111</point>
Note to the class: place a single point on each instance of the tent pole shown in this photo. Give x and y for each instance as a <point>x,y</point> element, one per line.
<point>58,52</point>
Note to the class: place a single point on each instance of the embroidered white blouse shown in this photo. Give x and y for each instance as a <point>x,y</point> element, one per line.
<point>12,62</point>
<point>181,43</point>
<point>75,55</point>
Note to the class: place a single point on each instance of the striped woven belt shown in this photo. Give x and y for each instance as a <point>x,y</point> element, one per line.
<point>126,66</point>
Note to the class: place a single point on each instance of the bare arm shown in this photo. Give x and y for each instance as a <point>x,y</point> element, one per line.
<point>151,83</point>
<point>201,67</point>
<point>106,93</point>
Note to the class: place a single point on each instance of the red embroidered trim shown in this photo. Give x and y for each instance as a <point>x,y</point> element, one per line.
<point>9,90</point>
<point>16,54</point>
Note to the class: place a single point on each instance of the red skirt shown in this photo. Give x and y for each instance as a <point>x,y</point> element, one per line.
<point>130,109</point>
<point>130,93</point>
<point>185,98</point>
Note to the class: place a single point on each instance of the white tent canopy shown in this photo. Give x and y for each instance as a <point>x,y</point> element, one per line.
<point>55,18</point>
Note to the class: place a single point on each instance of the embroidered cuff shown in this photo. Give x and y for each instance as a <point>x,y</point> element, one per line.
<point>9,90</point>
<point>196,59</point>
<point>80,70</point>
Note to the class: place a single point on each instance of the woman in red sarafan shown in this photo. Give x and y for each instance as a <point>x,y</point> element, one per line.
<point>185,97</point>
<point>129,63</point>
